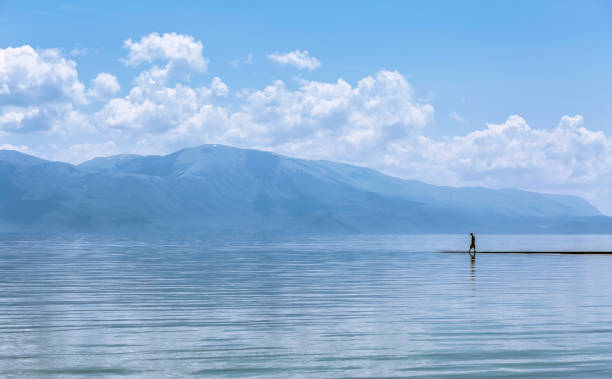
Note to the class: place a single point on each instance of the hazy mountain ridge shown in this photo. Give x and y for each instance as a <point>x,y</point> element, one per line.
<point>216,188</point>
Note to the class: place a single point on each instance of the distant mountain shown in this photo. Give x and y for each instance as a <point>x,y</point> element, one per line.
<point>220,189</point>
<point>107,163</point>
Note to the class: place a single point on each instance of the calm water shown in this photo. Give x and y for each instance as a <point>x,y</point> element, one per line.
<point>343,307</point>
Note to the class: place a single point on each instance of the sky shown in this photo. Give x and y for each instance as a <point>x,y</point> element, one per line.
<point>500,94</point>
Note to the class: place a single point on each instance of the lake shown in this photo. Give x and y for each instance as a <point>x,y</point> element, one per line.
<point>386,306</point>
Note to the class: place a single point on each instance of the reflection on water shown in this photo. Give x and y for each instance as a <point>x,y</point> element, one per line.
<point>473,269</point>
<point>333,307</point>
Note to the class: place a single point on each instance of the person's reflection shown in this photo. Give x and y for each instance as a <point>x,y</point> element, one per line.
<point>473,270</point>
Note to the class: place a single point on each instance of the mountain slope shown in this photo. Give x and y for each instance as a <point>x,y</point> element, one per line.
<point>215,188</point>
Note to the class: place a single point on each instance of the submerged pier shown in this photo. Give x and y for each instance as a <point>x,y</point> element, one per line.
<point>533,252</point>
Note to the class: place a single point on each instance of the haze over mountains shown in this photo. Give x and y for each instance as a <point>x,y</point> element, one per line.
<point>220,189</point>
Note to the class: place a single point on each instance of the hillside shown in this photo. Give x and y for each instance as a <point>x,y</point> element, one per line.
<point>218,189</point>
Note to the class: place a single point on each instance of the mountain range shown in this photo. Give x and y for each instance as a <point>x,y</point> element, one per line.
<point>221,189</point>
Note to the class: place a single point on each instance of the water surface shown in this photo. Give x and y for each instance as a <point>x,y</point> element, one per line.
<point>324,307</point>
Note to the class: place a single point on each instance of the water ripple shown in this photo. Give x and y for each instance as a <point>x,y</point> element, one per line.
<point>333,307</point>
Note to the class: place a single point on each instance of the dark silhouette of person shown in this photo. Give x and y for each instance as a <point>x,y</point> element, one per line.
<point>472,246</point>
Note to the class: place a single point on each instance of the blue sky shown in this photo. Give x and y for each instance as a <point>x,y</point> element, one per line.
<point>499,94</point>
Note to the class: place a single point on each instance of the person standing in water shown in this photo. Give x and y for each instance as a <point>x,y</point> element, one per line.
<point>472,246</point>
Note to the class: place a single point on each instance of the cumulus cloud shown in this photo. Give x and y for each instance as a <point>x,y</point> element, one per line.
<point>316,118</point>
<point>27,119</point>
<point>566,159</point>
<point>104,86</point>
<point>38,90</point>
<point>156,108</point>
<point>181,53</point>
<point>513,152</point>
<point>53,118</point>
<point>167,47</point>
<point>298,58</point>
<point>30,77</point>
<point>333,119</point>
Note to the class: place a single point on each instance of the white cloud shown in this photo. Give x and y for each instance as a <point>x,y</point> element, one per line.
<point>455,116</point>
<point>512,152</point>
<point>566,159</point>
<point>248,61</point>
<point>30,77</point>
<point>171,47</point>
<point>103,86</point>
<point>181,53</point>
<point>38,89</point>
<point>298,58</point>
<point>332,120</point>
<point>335,120</point>
<point>156,108</point>
<point>59,118</point>
<point>79,51</point>
<point>26,119</point>
<point>217,88</point>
